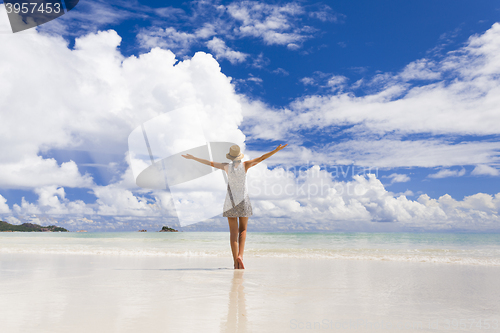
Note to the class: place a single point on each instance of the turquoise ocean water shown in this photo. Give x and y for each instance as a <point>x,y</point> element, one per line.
<point>445,248</point>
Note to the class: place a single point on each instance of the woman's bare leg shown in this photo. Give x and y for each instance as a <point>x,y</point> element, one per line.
<point>233,238</point>
<point>242,237</point>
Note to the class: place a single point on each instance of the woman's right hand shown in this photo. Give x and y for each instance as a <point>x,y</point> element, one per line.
<point>188,156</point>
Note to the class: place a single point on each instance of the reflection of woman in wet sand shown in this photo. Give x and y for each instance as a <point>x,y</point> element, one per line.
<point>237,309</point>
<point>237,204</point>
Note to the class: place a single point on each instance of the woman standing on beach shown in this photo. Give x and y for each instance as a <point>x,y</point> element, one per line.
<point>237,203</point>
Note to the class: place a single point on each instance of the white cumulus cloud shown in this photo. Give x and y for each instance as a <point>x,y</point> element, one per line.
<point>4,207</point>
<point>222,51</point>
<point>447,173</point>
<point>483,169</point>
<point>89,99</point>
<point>398,178</point>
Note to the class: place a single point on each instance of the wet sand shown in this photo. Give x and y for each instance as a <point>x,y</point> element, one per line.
<point>104,293</point>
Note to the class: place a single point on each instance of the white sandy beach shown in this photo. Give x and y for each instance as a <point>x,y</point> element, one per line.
<point>106,293</point>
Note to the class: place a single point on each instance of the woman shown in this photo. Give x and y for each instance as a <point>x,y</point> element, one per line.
<point>237,203</point>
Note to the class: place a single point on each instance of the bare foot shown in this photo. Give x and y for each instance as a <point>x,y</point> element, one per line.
<point>240,263</point>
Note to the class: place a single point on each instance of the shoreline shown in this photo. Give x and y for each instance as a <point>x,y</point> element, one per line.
<point>474,250</point>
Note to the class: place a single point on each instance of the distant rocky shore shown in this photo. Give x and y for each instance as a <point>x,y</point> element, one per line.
<point>167,229</point>
<point>29,227</point>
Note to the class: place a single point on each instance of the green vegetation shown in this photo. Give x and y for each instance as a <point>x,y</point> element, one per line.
<point>167,229</point>
<point>28,227</point>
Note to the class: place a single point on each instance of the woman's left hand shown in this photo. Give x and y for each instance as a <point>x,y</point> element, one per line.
<point>188,156</point>
<point>281,147</point>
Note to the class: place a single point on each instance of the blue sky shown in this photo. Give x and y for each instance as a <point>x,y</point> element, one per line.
<point>406,90</point>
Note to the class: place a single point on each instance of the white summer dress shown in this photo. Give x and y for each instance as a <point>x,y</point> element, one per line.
<point>237,203</point>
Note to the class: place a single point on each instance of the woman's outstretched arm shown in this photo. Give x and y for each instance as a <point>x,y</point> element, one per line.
<point>207,162</point>
<point>255,161</point>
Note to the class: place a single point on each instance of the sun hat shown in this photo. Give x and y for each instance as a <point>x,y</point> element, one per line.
<point>234,153</point>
